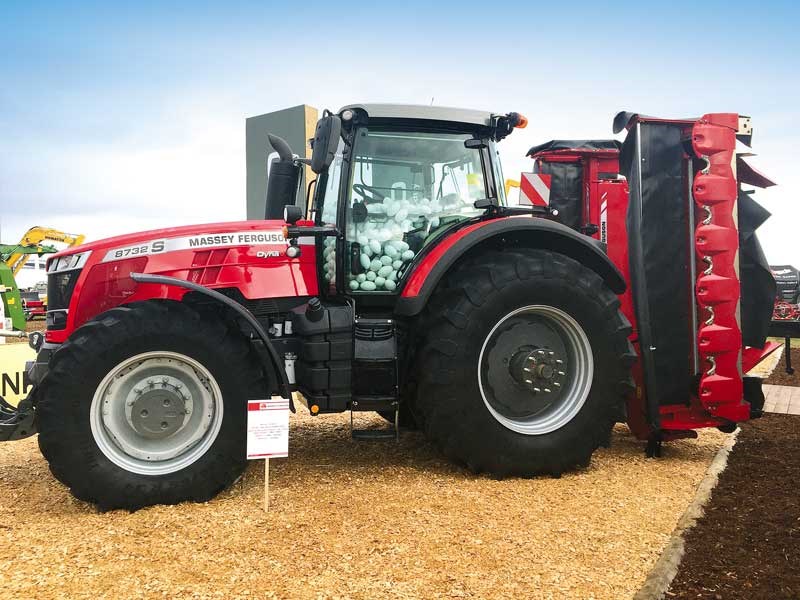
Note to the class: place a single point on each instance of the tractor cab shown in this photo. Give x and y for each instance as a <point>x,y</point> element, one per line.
<point>391,180</point>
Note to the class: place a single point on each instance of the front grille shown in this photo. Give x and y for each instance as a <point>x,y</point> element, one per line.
<point>59,289</point>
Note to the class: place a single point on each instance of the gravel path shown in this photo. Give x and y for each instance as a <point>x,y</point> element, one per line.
<point>356,520</point>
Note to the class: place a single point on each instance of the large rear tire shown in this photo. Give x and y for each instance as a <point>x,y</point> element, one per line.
<point>146,404</point>
<point>526,365</point>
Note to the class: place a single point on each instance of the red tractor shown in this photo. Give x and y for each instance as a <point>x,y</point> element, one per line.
<point>414,291</point>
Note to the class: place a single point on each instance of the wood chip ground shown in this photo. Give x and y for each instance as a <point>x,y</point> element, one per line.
<point>356,520</point>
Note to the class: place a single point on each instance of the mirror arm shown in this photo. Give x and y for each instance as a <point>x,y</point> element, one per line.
<point>292,231</point>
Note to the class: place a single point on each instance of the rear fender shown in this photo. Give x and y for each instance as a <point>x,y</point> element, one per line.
<point>517,231</point>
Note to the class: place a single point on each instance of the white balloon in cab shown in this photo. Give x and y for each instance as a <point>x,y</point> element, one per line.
<point>399,245</point>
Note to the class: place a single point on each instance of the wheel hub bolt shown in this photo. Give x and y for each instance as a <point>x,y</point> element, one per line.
<point>144,413</point>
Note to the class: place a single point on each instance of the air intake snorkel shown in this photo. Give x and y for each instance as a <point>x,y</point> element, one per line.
<point>284,179</point>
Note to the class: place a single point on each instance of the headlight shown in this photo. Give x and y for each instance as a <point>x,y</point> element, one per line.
<point>69,262</point>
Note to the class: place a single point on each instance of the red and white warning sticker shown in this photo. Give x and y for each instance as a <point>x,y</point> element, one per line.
<point>534,188</point>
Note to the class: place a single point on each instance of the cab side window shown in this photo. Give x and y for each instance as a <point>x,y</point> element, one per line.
<point>405,189</point>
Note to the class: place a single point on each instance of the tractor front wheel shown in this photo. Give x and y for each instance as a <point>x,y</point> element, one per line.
<point>526,366</point>
<point>146,404</point>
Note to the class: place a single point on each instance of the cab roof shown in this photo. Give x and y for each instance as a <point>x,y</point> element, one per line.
<point>426,113</point>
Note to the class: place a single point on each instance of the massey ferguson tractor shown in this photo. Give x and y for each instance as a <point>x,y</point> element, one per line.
<point>514,337</point>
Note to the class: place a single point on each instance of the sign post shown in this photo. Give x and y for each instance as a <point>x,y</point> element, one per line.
<point>267,434</point>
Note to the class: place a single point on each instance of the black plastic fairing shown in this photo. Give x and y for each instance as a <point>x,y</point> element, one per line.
<point>758,287</point>
<point>652,159</point>
<point>566,189</point>
<point>554,145</point>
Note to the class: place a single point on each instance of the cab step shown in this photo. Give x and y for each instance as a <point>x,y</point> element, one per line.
<point>374,405</point>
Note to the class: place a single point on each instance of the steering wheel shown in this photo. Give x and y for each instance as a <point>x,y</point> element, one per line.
<point>369,193</point>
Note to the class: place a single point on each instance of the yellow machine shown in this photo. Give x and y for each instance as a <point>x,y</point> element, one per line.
<point>13,258</point>
<point>33,238</point>
<point>511,183</point>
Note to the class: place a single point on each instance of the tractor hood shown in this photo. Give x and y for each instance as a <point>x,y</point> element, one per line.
<point>248,258</point>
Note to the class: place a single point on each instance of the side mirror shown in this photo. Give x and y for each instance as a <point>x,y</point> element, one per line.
<point>325,142</point>
<point>292,214</point>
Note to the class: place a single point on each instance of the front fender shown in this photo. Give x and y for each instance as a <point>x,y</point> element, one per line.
<point>519,231</point>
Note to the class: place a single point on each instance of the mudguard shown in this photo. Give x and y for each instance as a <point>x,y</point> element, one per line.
<point>521,231</point>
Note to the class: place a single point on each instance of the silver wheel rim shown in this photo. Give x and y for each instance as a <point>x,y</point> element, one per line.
<point>577,377</point>
<point>156,413</point>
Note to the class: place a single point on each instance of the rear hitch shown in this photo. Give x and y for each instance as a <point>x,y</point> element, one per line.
<point>18,422</point>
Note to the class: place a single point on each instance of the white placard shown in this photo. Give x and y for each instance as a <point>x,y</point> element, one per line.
<point>267,428</point>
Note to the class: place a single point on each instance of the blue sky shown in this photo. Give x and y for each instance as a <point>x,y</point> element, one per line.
<point>123,116</point>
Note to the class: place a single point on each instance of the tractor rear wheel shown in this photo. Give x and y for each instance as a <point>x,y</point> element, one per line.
<point>526,365</point>
<point>146,404</point>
